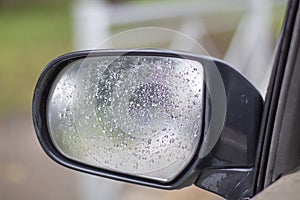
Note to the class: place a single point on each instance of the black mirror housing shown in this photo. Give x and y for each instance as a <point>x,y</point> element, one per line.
<point>224,159</point>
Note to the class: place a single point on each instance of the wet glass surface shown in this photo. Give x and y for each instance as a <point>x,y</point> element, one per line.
<point>140,115</point>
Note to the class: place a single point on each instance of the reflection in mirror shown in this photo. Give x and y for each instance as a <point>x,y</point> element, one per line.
<point>140,115</point>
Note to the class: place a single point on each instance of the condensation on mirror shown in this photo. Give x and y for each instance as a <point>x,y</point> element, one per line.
<point>140,115</point>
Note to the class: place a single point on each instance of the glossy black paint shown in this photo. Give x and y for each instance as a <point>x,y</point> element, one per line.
<point>228,166</point>
<point>233,157</point>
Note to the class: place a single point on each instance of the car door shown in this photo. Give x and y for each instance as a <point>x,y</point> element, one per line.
<point>280,138</point>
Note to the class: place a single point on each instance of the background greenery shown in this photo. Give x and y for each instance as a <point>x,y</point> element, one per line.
<point>32,32</point>
<point>30,36</point>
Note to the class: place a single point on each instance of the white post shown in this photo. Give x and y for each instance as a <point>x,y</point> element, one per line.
<point>91,22</point>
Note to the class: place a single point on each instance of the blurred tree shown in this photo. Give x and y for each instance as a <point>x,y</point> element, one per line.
<point>22,3</point>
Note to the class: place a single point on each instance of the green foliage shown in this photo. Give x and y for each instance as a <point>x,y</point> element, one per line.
<point>29,37</point>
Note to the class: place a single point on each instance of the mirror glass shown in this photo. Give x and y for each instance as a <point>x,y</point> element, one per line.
<point>137,115</point>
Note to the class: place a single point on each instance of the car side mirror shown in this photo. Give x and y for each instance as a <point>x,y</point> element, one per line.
<point>153,117</point>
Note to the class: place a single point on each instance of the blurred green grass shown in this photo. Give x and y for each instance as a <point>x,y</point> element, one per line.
<point>30,36</point>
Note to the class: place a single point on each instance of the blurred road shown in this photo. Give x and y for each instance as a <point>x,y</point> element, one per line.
<point>27,173</point>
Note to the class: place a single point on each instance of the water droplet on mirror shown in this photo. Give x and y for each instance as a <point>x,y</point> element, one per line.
<point>133,112</point>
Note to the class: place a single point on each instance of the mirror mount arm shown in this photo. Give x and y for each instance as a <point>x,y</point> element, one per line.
<point>231,183</point>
